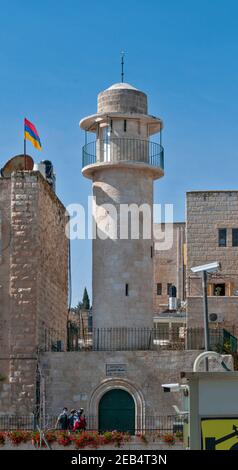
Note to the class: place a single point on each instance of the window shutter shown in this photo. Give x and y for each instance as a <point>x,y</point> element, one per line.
<point>210,289</point>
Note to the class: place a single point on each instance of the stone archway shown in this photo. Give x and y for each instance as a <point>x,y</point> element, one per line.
<point>117,383</point>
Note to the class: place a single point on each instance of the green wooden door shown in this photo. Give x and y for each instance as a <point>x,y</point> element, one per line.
<point>117,412</point>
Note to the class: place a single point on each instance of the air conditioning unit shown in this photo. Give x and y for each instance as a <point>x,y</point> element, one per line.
<point>216,317</point>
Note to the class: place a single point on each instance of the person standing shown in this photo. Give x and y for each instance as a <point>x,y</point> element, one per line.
<point>62,420</point>
<point>71,419</point>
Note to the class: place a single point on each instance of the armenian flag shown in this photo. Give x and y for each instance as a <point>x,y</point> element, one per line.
<point>31,134</point>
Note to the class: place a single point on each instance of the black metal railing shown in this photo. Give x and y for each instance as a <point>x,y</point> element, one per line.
<point>153,423</point>
<point>162,337</point>
<point>121,149</point>
<point>13,422</point>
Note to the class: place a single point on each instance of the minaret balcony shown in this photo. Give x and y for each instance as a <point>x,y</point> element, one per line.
<point>121,150</point>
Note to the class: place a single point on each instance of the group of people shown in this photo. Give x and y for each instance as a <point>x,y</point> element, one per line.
<point>75,421</point>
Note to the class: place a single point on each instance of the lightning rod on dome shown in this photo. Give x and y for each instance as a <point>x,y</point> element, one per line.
<point>122,66</point>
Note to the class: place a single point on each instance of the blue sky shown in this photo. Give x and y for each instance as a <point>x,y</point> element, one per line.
<point>56,56</point>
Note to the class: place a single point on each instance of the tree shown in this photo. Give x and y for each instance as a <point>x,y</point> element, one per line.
<point>86,301</point>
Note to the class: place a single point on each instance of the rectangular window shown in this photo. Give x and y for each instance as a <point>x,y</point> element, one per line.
<point>235,237</point>
<point>159,288</point>
<point>126,290</point>
<point>169,285</point>
<point>219,289</point>
<point>222,237</point>
<point>125,125</point>
<point>111,124</point>
<point>151,251</point>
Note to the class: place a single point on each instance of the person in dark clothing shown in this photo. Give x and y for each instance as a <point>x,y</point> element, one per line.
<point>62,420</point>
<point>71,419</point>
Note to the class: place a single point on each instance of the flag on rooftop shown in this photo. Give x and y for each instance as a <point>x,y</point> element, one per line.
<point>31,134</point>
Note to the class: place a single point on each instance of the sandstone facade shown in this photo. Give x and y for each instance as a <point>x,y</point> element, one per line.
<point>207,213</point>
<point>169,265</point>
<point>33,280</point>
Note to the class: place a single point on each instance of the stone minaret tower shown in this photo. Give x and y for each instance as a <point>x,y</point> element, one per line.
<point>122,163</point>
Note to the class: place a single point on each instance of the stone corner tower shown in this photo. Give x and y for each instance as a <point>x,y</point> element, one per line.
<point>122,163</point>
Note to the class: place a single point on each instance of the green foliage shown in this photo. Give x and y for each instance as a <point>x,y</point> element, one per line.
<point>86,301</point>
<point>218,291</point>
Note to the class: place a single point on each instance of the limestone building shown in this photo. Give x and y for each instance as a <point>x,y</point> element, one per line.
<point>212,235</point>
<point>33,283</point>
<point>169,267</point>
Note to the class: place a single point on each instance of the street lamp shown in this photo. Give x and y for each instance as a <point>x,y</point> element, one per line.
<point>204,270</point>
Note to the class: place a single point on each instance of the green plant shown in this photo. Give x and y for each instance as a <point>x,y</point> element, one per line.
<point>227,347</point>
<point>64,438</point>
<point>143,438</point>
<point>218,291</point>
<point>108,436</point>
<point>179,435</point>
<point>2,438</point>
<point>86,301</point>
<point>169,439</point>
<point>17,437</point>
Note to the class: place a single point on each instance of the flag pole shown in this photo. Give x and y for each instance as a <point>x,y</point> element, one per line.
<point>24,146</point>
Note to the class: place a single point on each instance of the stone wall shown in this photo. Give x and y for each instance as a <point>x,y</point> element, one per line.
<point>208,211</point>
<point>168,263</point>
<point>52,283</point>
<point>34,280</point>
<point>79,379</point>
<point>122,261</point>
<point>225,307</point>
<point>5,240</point>
<point>122,100</point>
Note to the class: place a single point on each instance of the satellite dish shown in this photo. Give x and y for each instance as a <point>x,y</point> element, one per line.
<point>17,163</point>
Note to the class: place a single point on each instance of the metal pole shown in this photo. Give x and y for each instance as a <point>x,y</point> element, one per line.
<point>24,150</point>
<point>205,315</point>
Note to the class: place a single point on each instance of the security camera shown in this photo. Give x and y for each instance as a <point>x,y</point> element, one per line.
<point>171,387</point>
<point>175,388</point>
<point>209,268</point>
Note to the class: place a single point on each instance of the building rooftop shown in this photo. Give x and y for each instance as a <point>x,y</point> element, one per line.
<point>122,86</point>
<point>171,314</point>
<point>213,191</point>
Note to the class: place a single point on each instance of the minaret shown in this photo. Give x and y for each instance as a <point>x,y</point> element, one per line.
<point>122,163</point>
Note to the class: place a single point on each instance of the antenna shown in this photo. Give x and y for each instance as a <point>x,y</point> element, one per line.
<point>122,66</point>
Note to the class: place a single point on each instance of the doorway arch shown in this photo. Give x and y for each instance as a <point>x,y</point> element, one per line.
<point>117,383</point>
<point>116,411</point>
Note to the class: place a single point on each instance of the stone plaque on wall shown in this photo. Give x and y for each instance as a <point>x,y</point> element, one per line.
<point>115,369</point>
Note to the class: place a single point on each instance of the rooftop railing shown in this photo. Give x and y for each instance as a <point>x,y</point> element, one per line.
<point>162,337</point>
<point>116,150</point>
